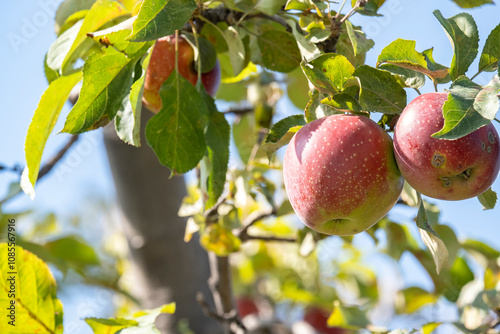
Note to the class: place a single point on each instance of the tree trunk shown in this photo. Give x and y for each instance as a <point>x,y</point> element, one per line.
<point>166,269</point>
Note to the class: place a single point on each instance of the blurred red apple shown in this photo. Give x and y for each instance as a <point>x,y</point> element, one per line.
<point>162,63</point>
<point>246,305</point>
<point>317,317</point>
<point>340,174</point>
<point>444,169</point>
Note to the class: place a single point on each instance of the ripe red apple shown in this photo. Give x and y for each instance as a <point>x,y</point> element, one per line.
<point>246,305</point>
<point>162,63</point>
<point>317,318</point>
<point>444,169</point>
<point>340,174</point>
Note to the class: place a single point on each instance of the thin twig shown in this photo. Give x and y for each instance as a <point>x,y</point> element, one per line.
<point>49,165</point>
<point>340,10</point>
<point>253,218</point>
<point>359,4</point>
<point>268,238</point>
<point>496,119</point>
<point>238,111</point>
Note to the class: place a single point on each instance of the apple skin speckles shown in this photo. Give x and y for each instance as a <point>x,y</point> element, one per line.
<point>347,186</point>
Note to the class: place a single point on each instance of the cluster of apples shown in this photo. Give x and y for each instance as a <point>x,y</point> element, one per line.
<point>343,173</point>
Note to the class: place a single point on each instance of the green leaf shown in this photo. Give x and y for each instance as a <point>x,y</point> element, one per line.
<point>42,124</point>
<point>380,91</point>
<point>143,322</point>
<point>480,247</point>
<point>472,3</point>
<point>37,309</point>
<point>176,133</point>
<point>116,36</point>
<point>219,240</point>
<point>50,74</point>
<point>359,42</point>
<point>460,114</point>
<point>431,238</point>
<point>73,250</point>
<point>308,49</point>
<point>297,88</point>
<point>316,109</point>
<point>433,66</point>
<point>68,8</point>
<point>462,32</point>
<point>107,79</point>
<point>328,73</point>
<point>101,13</point>
<point>61,46</point>
<point>158,18</point>
<point>406,77</point>
<point>460,274</point>
<point>488,199</point>
<point>491,51</point>
<point>214,166</point>
<point>429,327</point>
<point>107,326</point>
<point>402,53</point>
<point>279,51</point>
<point>128,117</point>
<point>282,132</point>
<point>370,9</point>
<point>205,51</point>
<point>416,298</point>
<point>342,102</point>
<point>236,50</point>
<point>304,5</point>
<point>352,317</point>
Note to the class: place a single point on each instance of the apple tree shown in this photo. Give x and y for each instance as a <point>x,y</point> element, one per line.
<point>216,89</point>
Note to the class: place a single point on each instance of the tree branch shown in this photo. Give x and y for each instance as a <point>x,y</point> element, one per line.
<point>49,165</point>
<point>220,286</point>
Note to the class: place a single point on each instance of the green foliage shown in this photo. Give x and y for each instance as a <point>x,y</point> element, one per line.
<point>160,18</point>
<point>469,107</point>
<point>41,126</point>
<point>380,91</point>
<point>142,322</point>
<point>37,309</point>
<point>463,34</point>
<point>214,165</point>
<point>229,205</point>
<point>176,133</point>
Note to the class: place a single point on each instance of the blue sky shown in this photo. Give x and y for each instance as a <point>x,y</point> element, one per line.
<point>86,172</point>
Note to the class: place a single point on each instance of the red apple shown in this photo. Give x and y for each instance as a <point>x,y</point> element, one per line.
<point>444,169</point>
<point>340,174</point>
<point>246,306</point>
<point>317,318</point>
<point>162,63</point>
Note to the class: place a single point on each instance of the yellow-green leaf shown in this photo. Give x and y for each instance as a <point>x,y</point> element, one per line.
<point>42,124</point>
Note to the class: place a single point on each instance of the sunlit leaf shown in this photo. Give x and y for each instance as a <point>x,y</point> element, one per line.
<point>462,32</point>
<point>36,307</point>
<point>42,124</point>
<point>158,18</point>
<point>488,199</point>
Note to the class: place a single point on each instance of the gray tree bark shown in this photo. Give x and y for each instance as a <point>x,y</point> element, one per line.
<point>165,267</point>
